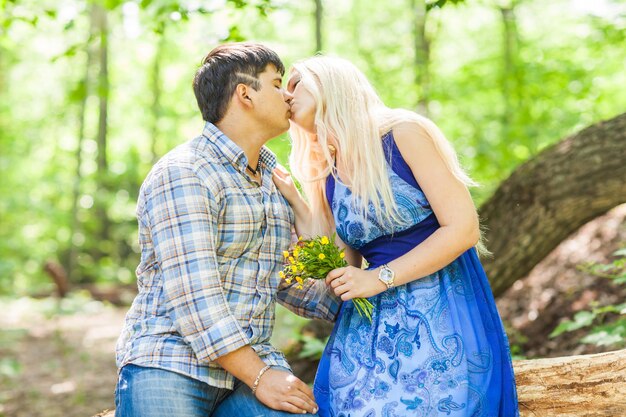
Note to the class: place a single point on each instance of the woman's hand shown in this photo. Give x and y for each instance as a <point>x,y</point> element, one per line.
<point>350,282</point>
<point>286,186</point>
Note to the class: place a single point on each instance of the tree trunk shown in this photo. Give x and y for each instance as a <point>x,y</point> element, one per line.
<point>155,83</point>
<point>574,386</point>
<point>82,113</point>
<point>319,14</point>
<point>509,68</point>
<point>587,385</point>
<point>103,94</point>
<point>421,46</point>
<point>550,197</point>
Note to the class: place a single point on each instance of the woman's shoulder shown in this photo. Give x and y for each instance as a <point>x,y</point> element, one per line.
<point>409,131</point>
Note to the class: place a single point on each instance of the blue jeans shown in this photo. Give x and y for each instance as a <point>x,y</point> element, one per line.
<point>153,392</point>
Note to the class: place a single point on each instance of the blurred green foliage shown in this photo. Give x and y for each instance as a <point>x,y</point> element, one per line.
<point>606,324</point>
<point>563,70</point>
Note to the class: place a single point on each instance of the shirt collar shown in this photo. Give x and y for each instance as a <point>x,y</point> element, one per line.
<point>233,152</point>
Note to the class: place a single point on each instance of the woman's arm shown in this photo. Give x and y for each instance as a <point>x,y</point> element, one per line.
<point>353,257</point>
<point>452,204</point>
<point>304,218</point>
<point>302,211</point>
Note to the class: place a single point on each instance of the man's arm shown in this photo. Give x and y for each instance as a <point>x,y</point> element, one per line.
<point>315,300</point>
<point>182,215</point>
<point>276,389</point>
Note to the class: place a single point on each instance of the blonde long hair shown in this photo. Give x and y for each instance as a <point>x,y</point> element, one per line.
<point>352,118</point>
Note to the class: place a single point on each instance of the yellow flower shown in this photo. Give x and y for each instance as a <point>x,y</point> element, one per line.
<point>281,274</point>
<point>342,255</point>
<point>321,256</point>
<point>292,260</point>
<point>325,240</point>
<point>296,252</point>
<point>299,280</point>
<point>300,266</point>
<point>299,238</point>
<point>294,269</point>
<point>286,254</point>
<point>288,280</point>
<point>299,287</point>
<point>311,244</point>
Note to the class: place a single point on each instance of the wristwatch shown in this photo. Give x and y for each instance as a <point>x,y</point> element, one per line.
<point>386,275</point>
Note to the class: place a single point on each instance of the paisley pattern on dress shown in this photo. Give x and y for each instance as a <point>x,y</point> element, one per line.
<point>352,227</point>
<point>435,347</point>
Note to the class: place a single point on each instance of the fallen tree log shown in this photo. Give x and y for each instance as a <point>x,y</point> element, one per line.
<point>572,386</point>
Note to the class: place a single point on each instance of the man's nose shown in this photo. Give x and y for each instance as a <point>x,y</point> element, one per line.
<point>288,96</point>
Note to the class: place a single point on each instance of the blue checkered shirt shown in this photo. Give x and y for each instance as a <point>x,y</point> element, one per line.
<point>211,248</point>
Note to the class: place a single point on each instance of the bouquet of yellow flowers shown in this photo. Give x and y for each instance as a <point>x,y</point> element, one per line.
<point>314,259</point>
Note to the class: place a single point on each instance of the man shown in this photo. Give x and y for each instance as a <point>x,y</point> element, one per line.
<point>212,230</point>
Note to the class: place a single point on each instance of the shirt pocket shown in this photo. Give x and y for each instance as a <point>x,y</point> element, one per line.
<point>240,222</point>
<point>282,220</point>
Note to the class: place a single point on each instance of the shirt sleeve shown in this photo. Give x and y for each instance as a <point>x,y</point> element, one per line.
<point>182,216</point>
<point>315,300</point>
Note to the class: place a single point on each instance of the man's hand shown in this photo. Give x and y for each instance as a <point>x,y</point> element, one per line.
<point>277,389</point>
<point>281,390</point>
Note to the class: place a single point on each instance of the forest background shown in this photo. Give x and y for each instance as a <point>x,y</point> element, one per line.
<point>92,93</point>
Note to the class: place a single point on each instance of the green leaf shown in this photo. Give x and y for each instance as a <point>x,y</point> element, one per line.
<point>69,52</point>
<point>620,252</point>
<point>69,25</point>
<point>581,319</point>
<point>239,4</point>
<point>313,347</point>
<point>10,367</point>
<point>620,278</point>
<point>235,35</point>
<point>112,4</point>
<point>440,3</point>
<point>607,309</point>
<point>607,335</point>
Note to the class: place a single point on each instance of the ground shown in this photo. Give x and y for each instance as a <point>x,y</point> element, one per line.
<point>557,288</point>
<point>57,365</point>
<point>56,358</point>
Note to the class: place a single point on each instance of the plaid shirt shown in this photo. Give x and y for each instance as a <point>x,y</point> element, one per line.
<point>211,248</point>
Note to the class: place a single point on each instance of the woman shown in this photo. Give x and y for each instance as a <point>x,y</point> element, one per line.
<point>389,183</point>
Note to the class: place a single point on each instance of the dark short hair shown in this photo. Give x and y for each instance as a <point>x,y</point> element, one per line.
<point>225,67</point>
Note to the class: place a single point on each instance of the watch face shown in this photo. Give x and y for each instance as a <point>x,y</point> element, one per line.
<point>386,275</point>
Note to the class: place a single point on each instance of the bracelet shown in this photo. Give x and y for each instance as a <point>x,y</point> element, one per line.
<point>258,378</point>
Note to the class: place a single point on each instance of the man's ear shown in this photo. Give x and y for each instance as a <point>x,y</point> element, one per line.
<point>242,94</point>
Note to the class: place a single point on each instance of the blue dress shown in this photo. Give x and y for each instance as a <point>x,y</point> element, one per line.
<point>436,346</point>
